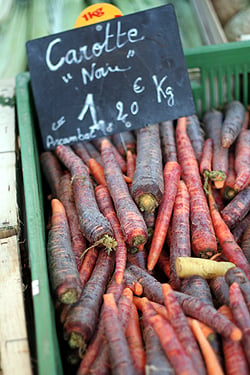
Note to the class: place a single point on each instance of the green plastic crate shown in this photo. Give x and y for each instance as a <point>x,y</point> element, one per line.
<point>219,73</point>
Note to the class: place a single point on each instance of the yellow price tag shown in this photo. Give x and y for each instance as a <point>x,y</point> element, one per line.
<point>97,13</point>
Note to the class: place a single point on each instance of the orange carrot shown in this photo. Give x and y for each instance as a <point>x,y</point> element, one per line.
<point>234,355</point>
<point>234,118</point>
<point>242,160</point>
<point>180,324</point>
<point>212,337</point>
<point>196,135</point>
<point>105,204</point>
<point>212,364</point>
<point>52,170</point>
<point>171,175</point>
<point>168,144</point>
<point>120,358</point>
<point>212,123</point>
<point>180,241</point>
<point>135,342</point>
<point>131,282</point>
<point>181,363</point>
<point>93,151</point>
<point>88,264</point>
<point>129,216</point>
<point>131,163</point>
<point>65,194</point>
<point>203,239</point>
<point>229,247</point>
<point>147,185</point>
<point>65,279</point>
<point>96,171</point>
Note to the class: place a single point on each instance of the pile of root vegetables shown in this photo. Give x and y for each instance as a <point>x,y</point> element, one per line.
<point>149,247</point>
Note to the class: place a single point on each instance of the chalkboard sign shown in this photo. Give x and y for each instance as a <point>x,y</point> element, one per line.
<point>109,77</point>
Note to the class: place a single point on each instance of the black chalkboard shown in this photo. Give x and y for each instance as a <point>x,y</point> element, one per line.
<point>109,77</point>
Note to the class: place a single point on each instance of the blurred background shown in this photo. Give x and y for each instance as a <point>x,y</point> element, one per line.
<point>200,22</point>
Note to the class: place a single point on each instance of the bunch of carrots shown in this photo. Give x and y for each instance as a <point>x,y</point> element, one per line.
<point>149,247</point>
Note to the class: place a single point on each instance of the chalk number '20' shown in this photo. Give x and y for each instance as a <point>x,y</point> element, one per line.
<point>134,109</point>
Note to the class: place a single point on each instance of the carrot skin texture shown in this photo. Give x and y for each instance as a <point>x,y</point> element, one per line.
<point>238,275</point>
<point>234,356</point>
<point>220,290</point>
<point>135,342</point>
<point>212,123</point>
<point>245,242</point>
<point>93,151</point>
<point>241,316</point>
<point>171,174</point>
<point>65,194</point>
<point>131,163</point>
<point>203,239</point>
<point>206,156</point>
<point>237,208</point>
<point>197,286</point>
<point>242,160</point>
<point>228,188</point>
<point>120,358</point>
<point>229,247</point>
<point>212,364</point>
<point>97,171</point>
<point>239,229</point>
<point>105,205</point>
<point>168,144</point>
<point>207,314</point>
<point>118,157</point>
<point>172,346</point>
<point>191,306</point>
<point>65,279</point>
<point>93,224</point>
<point>180,241</point>
<point>80,150</point>
<point>97,339</point>
<point>83,316</point>
<point>131,220</point>
<point>88,264</point>
<point>195,135</point>
<point>52,170</point>
<point>233,122</point>
<point>147,186</point>
<point>180,324</point>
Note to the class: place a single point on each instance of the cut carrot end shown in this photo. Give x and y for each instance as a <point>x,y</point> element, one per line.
<point>219,184</point>
<point>236,335</point>
<point>147,203</point>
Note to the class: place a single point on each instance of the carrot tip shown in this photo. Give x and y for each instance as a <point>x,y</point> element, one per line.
<point>236,335</point>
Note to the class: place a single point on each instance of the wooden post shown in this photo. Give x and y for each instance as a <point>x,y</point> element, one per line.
<point>14,345</point>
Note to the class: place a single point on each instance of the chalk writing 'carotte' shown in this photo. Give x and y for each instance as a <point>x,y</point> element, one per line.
<point>111,42</point>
